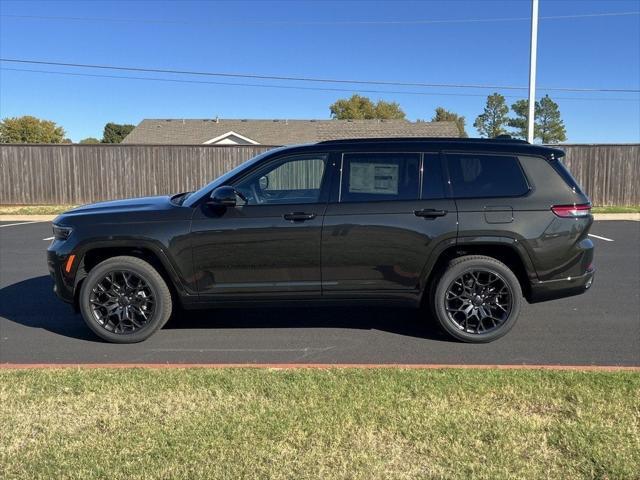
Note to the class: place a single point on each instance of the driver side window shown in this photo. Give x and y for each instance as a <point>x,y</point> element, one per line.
<point>289,180</point>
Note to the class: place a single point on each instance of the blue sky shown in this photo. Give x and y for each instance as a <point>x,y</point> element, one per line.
<point>266,37</point>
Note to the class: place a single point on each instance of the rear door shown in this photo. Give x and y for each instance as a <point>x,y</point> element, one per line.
<point>387,213</point>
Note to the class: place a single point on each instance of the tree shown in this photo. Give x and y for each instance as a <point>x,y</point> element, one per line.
<point>491,123</point>
<point>388,110</point>
<point>115,132</point>
<point>443,115</point>
<point>362,108</point>
<point>29,129</point>
<point>519,122</point>
<point>548,126</point>
<point>89,140</point>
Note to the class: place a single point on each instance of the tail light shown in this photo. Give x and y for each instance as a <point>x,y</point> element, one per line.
<point>572,211</point>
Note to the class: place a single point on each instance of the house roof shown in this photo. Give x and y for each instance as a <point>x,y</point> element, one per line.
<point>281,132</point>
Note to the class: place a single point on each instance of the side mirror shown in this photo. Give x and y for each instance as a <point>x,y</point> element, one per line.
<point>224,196</point>
<point>263,182</point>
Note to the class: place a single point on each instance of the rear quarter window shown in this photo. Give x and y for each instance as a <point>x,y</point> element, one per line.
<point>480,175</point>
<point>564,172</point>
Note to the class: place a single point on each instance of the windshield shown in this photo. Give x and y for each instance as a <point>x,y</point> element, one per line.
<point>193,198</point>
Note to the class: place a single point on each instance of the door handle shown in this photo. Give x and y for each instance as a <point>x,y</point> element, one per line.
<point>299,216</point>
<point>430,213</point>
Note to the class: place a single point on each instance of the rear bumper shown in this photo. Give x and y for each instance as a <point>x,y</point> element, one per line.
<point>560,288</point>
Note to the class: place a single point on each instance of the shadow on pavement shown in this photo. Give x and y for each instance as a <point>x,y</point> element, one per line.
<point>401,321</point>
<point>32,303</point>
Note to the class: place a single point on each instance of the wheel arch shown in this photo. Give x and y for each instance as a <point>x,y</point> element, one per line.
<point>156,258</point>
<point>504,249</point>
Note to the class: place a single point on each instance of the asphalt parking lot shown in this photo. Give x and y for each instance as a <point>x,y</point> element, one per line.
<point>601,327</point>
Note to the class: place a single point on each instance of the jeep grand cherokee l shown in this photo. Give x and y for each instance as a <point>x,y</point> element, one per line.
<point>464,227</point>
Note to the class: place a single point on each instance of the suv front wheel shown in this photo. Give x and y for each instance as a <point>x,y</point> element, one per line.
<point>124,300</point>
<point>477,299</point>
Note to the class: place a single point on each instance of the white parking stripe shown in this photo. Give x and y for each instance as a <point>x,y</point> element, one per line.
<point>48,238</point>
<point>15,224</point>
<point>601,238</point>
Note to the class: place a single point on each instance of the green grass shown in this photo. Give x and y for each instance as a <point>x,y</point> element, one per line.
<point>319,424</point>
<point>34,209</point>
<point>614,209</point>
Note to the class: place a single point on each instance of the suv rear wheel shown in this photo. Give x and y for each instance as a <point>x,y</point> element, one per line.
<point>477,299</point>
<point>124,300</point>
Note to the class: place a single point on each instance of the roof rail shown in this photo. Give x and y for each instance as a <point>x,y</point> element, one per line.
<point>499,139</point>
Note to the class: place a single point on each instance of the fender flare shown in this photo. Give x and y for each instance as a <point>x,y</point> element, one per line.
<point>476,241</point>
<point>155,247</point>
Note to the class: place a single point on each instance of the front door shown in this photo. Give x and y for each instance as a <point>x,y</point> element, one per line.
<point>270,243</point>
<point>386,216</point>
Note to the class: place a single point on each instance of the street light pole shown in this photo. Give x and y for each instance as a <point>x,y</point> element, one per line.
<point>532,70</point>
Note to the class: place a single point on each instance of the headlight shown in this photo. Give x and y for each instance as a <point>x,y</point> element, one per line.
<point>61,233</point>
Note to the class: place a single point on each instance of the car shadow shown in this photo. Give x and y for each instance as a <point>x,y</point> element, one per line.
<point>32,303</point>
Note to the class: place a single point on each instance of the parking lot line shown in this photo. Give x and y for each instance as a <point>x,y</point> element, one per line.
<point>16,224</point>
<point>601,238</point>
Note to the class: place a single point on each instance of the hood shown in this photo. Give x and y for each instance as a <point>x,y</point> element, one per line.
<point>130,208</point>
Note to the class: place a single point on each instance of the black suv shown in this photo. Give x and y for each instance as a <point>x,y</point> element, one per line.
<point>465,227</point>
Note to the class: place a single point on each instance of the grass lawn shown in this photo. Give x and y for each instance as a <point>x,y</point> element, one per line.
<point>319,424</point>
<point>614,209</point>
<point>34,209</point>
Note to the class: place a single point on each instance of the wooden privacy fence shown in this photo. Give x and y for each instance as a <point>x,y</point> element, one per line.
<point>76,174</point>
<point>609,174</point>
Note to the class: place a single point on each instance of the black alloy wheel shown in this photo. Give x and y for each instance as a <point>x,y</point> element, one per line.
<point>124,300</point>
<point>477,299</point>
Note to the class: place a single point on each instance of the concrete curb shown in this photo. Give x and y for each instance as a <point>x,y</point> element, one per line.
<point>47,218</point>
<point>319,366</point>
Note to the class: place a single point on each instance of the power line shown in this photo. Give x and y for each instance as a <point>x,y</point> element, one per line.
<point>291,87</point>
<point>318,22</point>
<point>312,79</point>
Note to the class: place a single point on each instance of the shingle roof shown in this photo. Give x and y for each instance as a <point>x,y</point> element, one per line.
<point>281,132</point>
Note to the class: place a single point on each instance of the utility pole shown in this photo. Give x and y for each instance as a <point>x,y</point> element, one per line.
<point>533,52</point>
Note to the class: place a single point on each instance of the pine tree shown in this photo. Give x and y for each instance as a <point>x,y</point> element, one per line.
<point>491,123</point>
<point>519,122</point>
<point>549,126</point>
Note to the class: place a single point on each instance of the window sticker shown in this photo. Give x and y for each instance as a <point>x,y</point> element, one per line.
<point>381,178</point>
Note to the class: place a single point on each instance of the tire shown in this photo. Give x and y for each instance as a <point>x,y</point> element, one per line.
<point>484,288</point>
<point>140,305</point>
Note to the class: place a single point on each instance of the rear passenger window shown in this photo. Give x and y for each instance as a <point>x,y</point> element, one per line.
<point>370,177</point>
<point>476,175</point>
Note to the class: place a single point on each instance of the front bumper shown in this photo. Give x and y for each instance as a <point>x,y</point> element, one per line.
<point>560,288</point>
<point>63,281</point>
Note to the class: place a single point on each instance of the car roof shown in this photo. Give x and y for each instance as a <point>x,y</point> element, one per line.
<point>498,145</point>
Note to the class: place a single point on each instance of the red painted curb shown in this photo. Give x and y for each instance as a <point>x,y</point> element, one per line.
<point>284,366</point>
